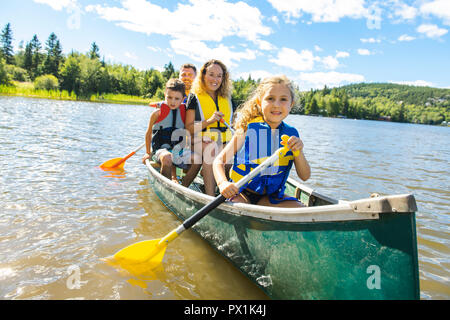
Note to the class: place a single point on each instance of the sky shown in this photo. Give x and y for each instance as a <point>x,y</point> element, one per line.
<point>313,42</point>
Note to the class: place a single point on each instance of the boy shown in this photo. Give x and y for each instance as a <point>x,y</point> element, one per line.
<point>165,132</point>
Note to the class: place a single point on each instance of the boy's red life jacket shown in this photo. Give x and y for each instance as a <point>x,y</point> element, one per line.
<point>168,121</point>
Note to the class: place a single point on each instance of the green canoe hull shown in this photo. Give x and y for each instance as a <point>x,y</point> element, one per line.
<point>343,258</point>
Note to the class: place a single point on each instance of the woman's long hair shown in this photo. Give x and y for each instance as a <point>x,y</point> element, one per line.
<point>226,86</point>
<point>251,109</point>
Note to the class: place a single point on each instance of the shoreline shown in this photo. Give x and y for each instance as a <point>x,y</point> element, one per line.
<point>69,98</point>
<point>62,97</point>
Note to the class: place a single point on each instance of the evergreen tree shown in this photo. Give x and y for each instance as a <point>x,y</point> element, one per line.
<point>36,47</point>
<point>54,55</point>
<point>325,90</point>
<point>6,42</point>
<point>28,58</point>
<point>169,71</point>
<point>94,53</point>
<point>312,107</point>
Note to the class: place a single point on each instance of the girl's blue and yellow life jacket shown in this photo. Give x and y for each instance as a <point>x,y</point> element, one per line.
<point>168,121</point>
<point>260,142</point>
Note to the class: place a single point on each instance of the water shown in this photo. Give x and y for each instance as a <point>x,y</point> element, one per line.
<point>60,214</point>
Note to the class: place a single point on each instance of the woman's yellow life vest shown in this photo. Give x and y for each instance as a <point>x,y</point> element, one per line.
<point>206,109</point>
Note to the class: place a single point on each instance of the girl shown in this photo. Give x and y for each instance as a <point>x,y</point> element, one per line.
<point>258,135</point>
<point>208,103</point>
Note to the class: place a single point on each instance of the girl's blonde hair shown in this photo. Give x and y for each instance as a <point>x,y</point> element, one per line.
<point>226,86</point>
<point>251,108</point>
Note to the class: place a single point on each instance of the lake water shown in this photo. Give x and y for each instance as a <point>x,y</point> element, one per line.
<point>60,214</point>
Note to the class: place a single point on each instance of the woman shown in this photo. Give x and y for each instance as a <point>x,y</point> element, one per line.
<point>208,104</point>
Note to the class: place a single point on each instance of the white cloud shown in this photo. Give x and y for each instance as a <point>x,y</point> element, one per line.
<point>300,61</point>
<point>305,60</point>
<point>431,30</point>
<point>405,12</point>
<point>274,19</point>
<point>192,24</point>
<point>130,55</point>
<point>264,45</point>
<point>199,51</point>
<point>154,49</point>
<point>370,40</point>
<point>58,5</point>
<point>405,37</point>
<point>364,52</point>
<point>330,62</point>
<point>321,10</point>
<point>317,48</point>
<point>419,83</point>
<point>342,54</point>
<point>203,20</point>
<point>331,79</point>
<point>438,8</point>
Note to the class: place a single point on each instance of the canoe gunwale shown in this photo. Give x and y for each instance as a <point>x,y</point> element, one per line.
<point>340,211</point>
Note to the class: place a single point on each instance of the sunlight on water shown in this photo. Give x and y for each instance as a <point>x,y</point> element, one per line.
<point>61,214</point>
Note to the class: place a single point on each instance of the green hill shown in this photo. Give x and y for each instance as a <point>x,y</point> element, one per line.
<point>398,92</point>
<point>379,101</point>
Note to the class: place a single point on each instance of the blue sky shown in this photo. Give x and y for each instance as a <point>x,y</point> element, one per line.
<point>313,42</point>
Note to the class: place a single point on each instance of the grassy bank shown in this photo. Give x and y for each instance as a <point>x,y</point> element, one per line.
<point>26,89</point>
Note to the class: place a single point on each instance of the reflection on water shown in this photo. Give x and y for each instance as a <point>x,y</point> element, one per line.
<point>113,173</point>
<point>61,214</point>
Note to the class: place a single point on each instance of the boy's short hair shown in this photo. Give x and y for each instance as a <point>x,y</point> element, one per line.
<point>176,85</point>
<point>189,66</point>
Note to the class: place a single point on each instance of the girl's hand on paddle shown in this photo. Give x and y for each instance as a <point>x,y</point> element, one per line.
<point>215,117</point>
<point>145,157</point>
<point>295,144</point>
<point>228,189</point>
<point>206,140</point>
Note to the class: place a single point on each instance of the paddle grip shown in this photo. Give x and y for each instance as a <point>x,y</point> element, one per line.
<point>203,211</point>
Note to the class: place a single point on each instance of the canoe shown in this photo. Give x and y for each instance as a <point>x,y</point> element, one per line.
<point>363,249</point>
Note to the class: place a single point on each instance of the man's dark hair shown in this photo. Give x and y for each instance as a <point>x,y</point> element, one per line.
<point>189,65</point>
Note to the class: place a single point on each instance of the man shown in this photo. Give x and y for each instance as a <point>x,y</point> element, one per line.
<point>187,74</point>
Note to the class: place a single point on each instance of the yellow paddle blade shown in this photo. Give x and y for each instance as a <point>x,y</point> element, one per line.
<point>112,164</point>
<point>148,251</point>
<point>140,259</point>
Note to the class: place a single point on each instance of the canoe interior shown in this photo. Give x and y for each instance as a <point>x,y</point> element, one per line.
<point>356,259</point>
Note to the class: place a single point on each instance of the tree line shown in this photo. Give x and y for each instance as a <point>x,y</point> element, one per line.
<point>82,73</point>
<point>87,73</point>
<point>380,101</point>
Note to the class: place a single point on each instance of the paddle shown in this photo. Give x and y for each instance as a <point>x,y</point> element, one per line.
<point>228,126</point>
<point>118,163</point>
<point>152,251</point>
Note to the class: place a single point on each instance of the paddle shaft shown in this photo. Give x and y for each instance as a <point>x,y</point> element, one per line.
<point>128,156</point>
<point>220,198</point>
<point>228,126</point>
